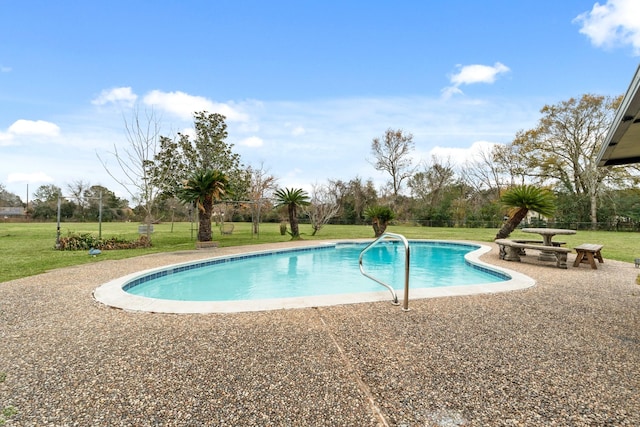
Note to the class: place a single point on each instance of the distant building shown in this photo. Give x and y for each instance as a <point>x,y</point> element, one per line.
<point>11,212</point>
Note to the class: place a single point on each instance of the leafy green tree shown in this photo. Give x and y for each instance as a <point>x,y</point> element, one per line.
<point>202,189</point>
<point>572,208</point>
<point>8,199</point>
<point>45,203</point>
<point>522,199</point>
<point>292,198</point>
<point>208,150</point>
<point>627,203</point>
<point>380,217</point>
<point>353,197</point>
<point>113,207</point>
<point>485,210</point>
<point>563,147</point>
<point>620,209</point>
<point>166,170</point>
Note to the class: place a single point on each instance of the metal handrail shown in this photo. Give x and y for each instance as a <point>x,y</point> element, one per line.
<point>406,268</point>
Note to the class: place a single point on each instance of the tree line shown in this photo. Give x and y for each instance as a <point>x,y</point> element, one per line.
<point>558,154</point>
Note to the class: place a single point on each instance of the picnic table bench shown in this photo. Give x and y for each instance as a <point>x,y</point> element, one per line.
<point>537,242</point>
<point>588,253</point>
<point>511,250</point>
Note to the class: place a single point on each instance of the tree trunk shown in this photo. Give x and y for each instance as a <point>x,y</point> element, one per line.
<point>148,222</point>
<point>293,221</point>
<point>594,211</point>
<point>204,231</point>
<point>379,227</point>
<point>512,223</point>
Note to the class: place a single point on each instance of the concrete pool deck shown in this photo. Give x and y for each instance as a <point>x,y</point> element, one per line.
<point>563,352</point>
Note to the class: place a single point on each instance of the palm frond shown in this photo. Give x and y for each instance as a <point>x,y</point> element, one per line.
<point>531,197</point>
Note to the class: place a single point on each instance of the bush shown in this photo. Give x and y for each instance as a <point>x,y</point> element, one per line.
<point>86,241</point>
<point>380,217</point>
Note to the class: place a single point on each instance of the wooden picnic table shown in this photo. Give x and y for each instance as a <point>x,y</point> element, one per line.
<point>588,252</point>
<point>547,236</point>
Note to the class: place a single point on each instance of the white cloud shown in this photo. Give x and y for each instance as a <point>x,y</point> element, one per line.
<point>28,178</point>
<point>472,74</point>
<point>118,95</point>
<point>190,132</point>
<point>449,91</point>
<point>294,173</point>
<point>459,156</point>
<point>339,132</point>
<point>184,105</point>
<point>295,130</point>
<point>5,139</point>
<point>5,69</point>
<point>249,127</point>
<point>252,141</point>
<point>31,127</point>
<point>614,23</point>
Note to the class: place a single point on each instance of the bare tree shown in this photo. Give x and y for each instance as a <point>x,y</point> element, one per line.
<point>434,188</point>
<point>511,161</point>
<point>261,188</point>
<point>77,191</point>
<point>429,184</point>
<point>483,173</point>
<point>135,162</point>
<point>392,154</point>
<point>323,206</point>
<point>495,168</point>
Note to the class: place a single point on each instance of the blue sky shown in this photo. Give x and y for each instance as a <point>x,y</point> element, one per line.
<point>305,85</point>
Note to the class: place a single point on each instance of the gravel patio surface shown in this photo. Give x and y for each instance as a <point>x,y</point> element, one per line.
<point>565,352</point>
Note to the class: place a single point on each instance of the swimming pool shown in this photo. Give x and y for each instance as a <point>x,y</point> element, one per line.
<point>321,274</point>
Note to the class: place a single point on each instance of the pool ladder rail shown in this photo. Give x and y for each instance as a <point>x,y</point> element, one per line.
<point>407,252</point>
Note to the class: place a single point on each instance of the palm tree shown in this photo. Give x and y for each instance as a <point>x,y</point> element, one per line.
<point>522,199</point>
<point>380,217</point>
<point>203,188</point>
<point>292,198</point>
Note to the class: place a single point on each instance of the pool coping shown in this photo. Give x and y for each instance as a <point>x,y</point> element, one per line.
<point>112,293</point>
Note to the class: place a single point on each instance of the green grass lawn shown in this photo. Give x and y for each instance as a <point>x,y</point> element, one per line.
<point>28,248</point>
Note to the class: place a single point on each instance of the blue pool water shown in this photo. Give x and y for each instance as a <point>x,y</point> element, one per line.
<point>326,270</point>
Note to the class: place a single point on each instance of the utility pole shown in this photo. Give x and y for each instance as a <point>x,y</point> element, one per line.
<point>58,228</point>
<point>100,217</point>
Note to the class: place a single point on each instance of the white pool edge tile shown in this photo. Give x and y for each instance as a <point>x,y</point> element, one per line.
<point>112,293</point>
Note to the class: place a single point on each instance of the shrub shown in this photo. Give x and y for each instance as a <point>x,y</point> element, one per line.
<point>86,241</point>
<point>380,217</point>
